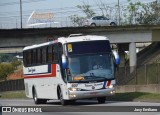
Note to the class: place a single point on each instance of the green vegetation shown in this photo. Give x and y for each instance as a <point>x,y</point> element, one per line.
<point>134,13</point>
<point>5,70</point>
<point>13,94</point>
<point>8,64</point>
<point>5,57</point>
<point>15,62</point>
<point>136,96</point>
<point>87,10</point>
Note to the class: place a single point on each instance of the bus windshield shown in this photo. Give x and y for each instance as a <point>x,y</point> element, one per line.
<point>90,67</point>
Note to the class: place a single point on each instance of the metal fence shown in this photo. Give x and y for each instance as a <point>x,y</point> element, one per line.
<point>12,85</point>
<point>140,75</point>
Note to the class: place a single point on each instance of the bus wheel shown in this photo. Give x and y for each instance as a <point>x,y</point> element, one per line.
<point>36,100</point>
<point>43,101</point>
<point>71,101</point>
<point>63,102</point>
<point>101,99</point>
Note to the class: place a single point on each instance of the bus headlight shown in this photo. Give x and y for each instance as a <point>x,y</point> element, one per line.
<point>74,89</point>
<point>110,86</point>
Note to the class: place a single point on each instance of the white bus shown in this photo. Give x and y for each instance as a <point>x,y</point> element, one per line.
<point>69,68</point>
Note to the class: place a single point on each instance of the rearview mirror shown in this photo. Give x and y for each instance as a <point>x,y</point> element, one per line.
<point>64,61</point>
<point>116,58</point>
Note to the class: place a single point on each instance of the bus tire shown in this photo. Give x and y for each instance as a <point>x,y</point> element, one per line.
<point>62,101</point>
<point>43,101</point>
<point>36,100</point>
<point>101,100</point>
<point>71,101</point>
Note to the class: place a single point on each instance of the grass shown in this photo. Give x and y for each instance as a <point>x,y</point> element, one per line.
<point>12,94</point>
<point>132,96</point>
<point>136,96</point>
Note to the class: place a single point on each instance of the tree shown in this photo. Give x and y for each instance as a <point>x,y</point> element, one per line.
<point>15,62</point>
<point>133,10</point>
<point>5,57</point>
<point>139,13</point>
<point>76,20</point>
<point>112,12</point>
<point>5,70</point>
<point>134,13</point>
<point>150,13</point>
<point>105,9</point>
<point>87,10</point>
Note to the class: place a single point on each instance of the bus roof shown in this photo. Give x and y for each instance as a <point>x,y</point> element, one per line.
<point>69,39</point>
<point>81,38</point>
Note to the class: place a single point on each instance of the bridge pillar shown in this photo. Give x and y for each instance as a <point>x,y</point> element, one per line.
<point>132,56</point>
<point>122,58</point>
<point>121,51</point>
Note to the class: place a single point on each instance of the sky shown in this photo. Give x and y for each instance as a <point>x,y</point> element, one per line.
<point>62,9</point>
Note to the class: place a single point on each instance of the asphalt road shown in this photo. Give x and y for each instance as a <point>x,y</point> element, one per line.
<point>81,107</point>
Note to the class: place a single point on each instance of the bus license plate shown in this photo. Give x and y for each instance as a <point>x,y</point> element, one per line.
<point>93,93</point>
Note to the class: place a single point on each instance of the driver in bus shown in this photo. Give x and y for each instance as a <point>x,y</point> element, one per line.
<point>98,65</point>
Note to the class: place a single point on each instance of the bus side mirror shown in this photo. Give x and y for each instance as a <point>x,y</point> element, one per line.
<point>116,58</point>
<point>64,62</point>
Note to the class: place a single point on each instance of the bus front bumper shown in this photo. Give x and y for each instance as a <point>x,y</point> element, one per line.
<point>91,94</point>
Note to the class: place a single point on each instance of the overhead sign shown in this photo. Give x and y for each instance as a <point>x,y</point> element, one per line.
<point>42,15</point>
<point>40,18</point>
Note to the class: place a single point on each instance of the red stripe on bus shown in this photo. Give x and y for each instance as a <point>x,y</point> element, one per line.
<point>53,73</point>
<point>109,83</point>
<point>54,69</point>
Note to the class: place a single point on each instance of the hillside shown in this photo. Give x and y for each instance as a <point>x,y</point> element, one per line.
<point>150,54</point>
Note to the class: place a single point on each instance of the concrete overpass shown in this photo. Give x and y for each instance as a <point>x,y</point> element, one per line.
<point>11,50</point>
<point>124,36</point>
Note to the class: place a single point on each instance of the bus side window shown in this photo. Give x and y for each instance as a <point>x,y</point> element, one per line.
<point>24,58</point>
<point>55,53</point>
<point>44,55</point>
<point>49,54</point>
<point>39,55</point>
<point>34,56</point>
<point>29,57</point>
<point>60,51</point>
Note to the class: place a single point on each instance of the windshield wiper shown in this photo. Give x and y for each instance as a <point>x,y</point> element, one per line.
<point>79,81</point>
<point>99,79</point>
<point>91,78</point>
<point>94,77</point>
